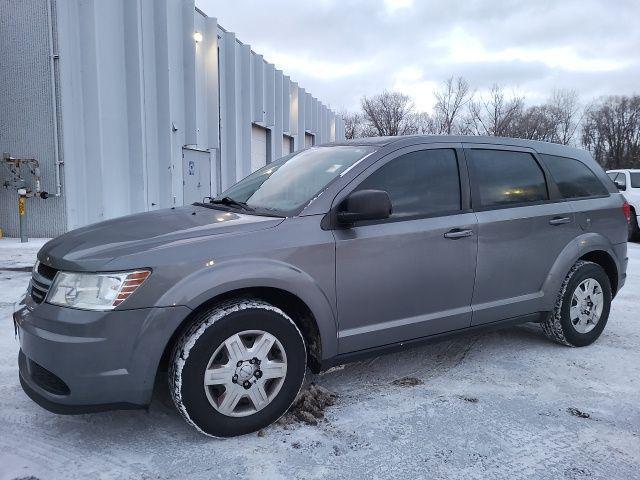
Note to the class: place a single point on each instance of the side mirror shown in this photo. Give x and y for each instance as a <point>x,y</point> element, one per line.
<point>365,205</point>
<point>620,186</point>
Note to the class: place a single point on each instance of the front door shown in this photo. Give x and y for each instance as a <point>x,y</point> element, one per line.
<point>521,231</point>
<point>411,275</point>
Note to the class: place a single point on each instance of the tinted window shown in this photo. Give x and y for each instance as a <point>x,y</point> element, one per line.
<point>635,179</point>
<point>506,178</point>
<point>419,183</point>
<point>574,178</point>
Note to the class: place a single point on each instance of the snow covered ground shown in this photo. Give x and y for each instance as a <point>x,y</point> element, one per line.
<point>505,404</point>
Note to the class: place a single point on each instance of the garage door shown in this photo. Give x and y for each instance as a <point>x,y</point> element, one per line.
<point>258,147</point>
<point>287,145</point>
<point>308,140</point>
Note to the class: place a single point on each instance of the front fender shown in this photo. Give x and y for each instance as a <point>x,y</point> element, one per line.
<point>578,247</point>
<point>228,276</point>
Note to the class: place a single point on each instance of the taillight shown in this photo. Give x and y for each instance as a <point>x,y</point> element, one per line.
<point>626,209</point>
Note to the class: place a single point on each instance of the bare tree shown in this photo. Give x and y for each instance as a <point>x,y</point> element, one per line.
<point>426,124</point>
<point>554,121</point>
<point>353,124</point>
<point>564,108</point>
<point>535,123</point>
<point>494,114</point>
<point>389,114</point>
<point>459,110</point>
<point>611,131</point>
<point>451,99</point>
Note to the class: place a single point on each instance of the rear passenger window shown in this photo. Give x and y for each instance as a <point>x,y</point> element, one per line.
<point>635,179</point>
<point>419,183</point>
<point>574,178</point>
<point>504,178</point>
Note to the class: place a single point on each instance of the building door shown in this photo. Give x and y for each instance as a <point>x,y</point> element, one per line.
<point>287,145</point>
<point>259,147</point>
<point>196,174</point>
<point>309,140</point>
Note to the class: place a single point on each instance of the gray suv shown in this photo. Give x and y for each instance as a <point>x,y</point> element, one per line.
<point>324,256</point>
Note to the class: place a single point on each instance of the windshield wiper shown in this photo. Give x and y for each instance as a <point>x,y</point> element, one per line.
<point>228,201</point>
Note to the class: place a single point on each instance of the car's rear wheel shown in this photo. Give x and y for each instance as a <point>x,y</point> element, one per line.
<point>582,307</point>
<point>238,368</point>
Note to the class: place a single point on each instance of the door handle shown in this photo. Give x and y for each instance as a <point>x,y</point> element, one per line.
<point>458,233</point>
<point>559,220</point>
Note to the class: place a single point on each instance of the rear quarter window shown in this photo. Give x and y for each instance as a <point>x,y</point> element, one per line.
<point>635,179</point>
<point>574,178</point>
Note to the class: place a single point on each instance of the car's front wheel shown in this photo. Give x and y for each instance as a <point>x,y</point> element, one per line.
<point>582,307</point>
<point>238,368</point>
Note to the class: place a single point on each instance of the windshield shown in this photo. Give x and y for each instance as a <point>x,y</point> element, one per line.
<point>288,184</point>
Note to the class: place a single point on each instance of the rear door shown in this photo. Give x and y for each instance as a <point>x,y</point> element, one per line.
<point>523,225</point>
<point>410,275</point>
<point>594,208</point>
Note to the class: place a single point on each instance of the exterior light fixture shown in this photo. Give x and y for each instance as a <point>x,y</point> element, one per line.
<point>197,36</point>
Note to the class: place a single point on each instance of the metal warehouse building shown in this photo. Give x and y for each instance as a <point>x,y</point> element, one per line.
<point>134,105</point>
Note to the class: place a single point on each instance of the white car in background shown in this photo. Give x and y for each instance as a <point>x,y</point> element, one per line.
<point>628,182</point>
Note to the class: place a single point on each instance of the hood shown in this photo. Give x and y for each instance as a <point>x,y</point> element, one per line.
<point>92,247</point>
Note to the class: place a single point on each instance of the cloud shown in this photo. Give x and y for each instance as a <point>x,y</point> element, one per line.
<point>393,5</point>
<point>341,50</point>
<point>307,65</point>
<point>465,48</point>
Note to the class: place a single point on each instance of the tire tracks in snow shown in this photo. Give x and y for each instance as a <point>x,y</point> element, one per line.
<point>373,376</point>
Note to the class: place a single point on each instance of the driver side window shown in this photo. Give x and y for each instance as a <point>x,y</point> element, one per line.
<point>420,184</point>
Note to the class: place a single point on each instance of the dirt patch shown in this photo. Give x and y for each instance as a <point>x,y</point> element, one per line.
<point>309,406</point>
<point>577,473</point>
<point>469,399</point>
<point>578,413</point>
<point>407,382</point>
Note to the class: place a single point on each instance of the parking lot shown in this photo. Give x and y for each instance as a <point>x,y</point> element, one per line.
<point>505,404</point>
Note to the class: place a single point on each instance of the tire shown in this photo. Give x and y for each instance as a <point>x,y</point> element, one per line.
<point>216,331</point>
<point>560,327</point>
<point>634,230</point>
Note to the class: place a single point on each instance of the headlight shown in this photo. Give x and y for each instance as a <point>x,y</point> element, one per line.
<point>94,291</point>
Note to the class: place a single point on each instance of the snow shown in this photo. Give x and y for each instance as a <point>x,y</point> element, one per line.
<point>14,254</point>
<point>523,424</point>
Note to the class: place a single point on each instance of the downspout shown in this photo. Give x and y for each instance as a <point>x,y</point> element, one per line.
<point>53,59</point>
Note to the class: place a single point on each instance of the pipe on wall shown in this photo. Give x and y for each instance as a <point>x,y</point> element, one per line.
<point>53,58</point>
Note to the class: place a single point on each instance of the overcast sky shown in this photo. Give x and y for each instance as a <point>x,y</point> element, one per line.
<point>340,50</point>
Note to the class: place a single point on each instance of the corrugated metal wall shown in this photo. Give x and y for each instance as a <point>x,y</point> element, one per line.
<point>137,88</point>
<point>26,113</point>
<point>254,92</point>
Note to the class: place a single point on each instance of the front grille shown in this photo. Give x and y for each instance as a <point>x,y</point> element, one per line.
<point>47,380</point>
<point>41,280</point>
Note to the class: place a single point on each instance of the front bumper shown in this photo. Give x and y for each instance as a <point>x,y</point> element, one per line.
<point>77,361</point>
